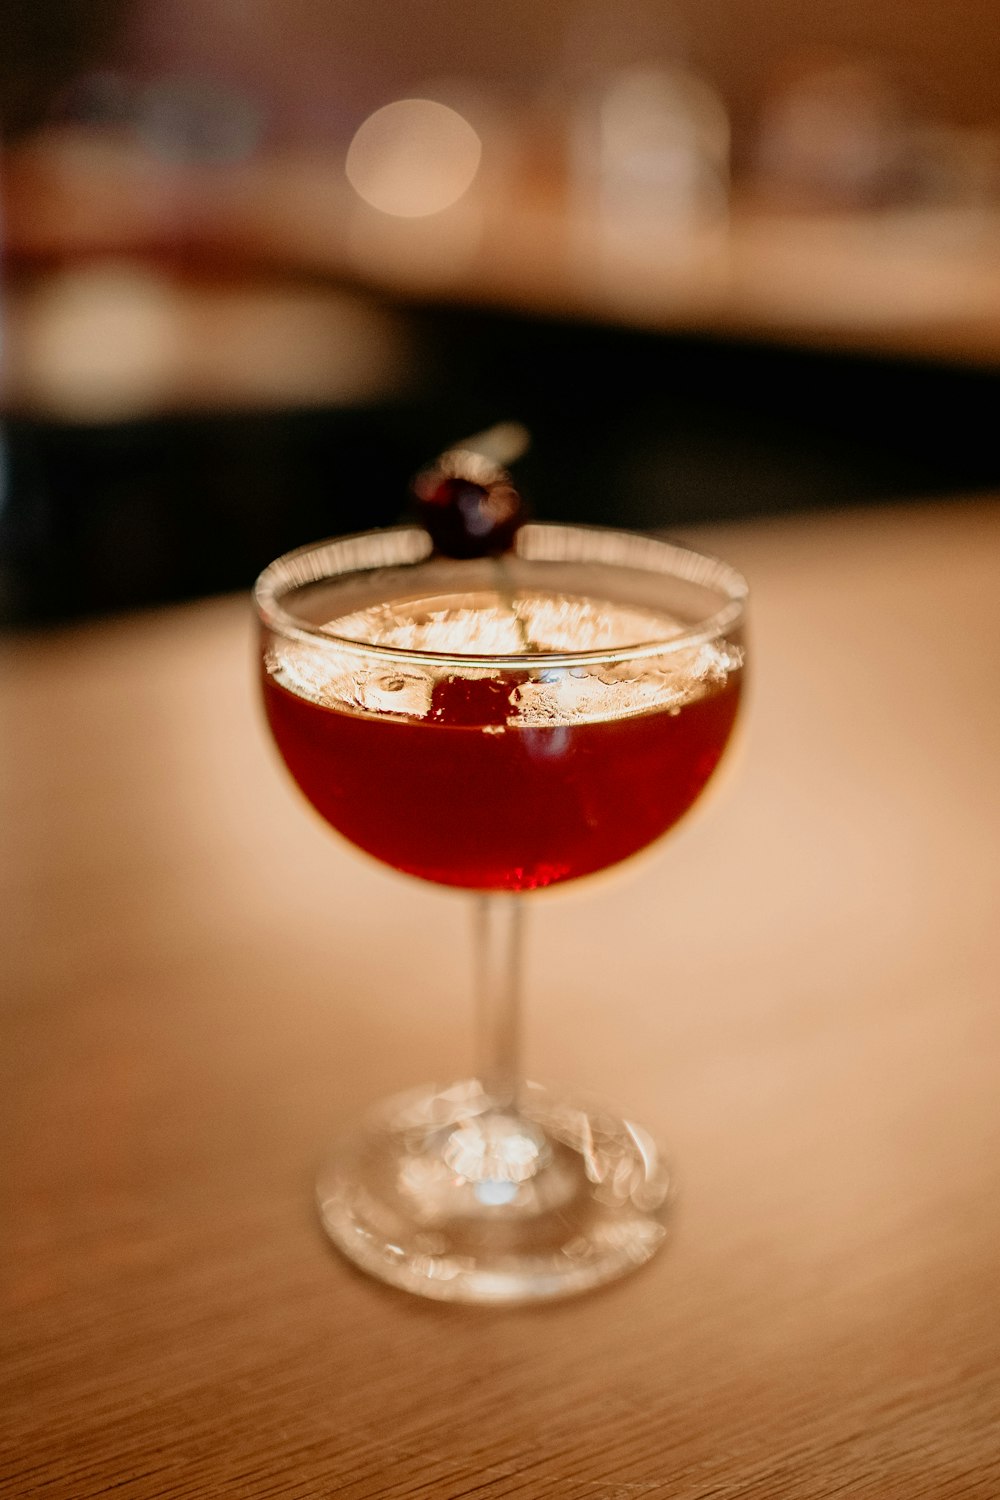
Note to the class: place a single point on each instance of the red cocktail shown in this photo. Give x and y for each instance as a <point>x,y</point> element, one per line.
<point>499,725</point>
<point>469,795</point>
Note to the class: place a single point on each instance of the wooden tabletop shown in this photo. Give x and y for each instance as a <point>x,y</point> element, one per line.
<point>799,993</point>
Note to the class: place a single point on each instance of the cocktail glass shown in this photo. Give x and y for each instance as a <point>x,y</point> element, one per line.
<point>500,725</point>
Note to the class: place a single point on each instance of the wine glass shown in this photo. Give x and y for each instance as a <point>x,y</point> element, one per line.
<point>501,725</point>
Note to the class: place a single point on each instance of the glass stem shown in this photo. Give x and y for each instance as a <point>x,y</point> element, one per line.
<point>498,949</point>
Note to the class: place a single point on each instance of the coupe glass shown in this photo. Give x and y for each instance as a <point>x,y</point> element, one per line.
<point>500,725</point>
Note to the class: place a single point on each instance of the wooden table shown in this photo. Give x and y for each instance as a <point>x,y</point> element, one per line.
<point>799,992</point>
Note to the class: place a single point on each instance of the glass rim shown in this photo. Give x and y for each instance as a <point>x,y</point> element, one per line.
<point>299,568</point>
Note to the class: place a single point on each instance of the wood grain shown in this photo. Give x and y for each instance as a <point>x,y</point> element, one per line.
<point>799,992</point>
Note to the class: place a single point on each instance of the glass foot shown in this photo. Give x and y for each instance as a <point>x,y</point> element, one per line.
<point>454,1195</point>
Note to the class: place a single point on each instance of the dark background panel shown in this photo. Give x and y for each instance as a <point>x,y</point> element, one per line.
<point>628,428</point>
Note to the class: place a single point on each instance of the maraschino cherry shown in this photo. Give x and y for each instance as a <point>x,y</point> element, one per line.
<point>469,505</point>
<point>471,508</point>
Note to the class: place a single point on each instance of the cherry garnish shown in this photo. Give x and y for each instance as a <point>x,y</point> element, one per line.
<point>469,505</point>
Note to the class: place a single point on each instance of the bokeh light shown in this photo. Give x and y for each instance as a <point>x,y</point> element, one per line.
<point>413,158</point>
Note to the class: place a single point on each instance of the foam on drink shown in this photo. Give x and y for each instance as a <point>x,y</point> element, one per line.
<point>488,623</point>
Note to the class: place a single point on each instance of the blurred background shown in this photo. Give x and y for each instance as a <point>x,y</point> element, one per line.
<point>263,258</point>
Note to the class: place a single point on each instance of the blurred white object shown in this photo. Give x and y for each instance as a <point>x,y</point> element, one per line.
<point>663,151</point>
<point>649,164</point>
<point>114,341</point>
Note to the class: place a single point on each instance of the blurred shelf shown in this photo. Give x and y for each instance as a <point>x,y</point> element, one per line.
<point>202,368</point>
<point>921,281</point>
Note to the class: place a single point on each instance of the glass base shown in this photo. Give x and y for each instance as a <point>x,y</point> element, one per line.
<point>457,1196</point>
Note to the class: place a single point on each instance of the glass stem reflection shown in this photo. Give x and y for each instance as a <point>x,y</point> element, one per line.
<point>498,937</point>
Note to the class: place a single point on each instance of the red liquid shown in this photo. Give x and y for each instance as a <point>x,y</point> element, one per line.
<point>512,811</point>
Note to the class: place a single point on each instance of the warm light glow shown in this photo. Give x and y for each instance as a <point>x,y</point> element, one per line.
<point>99,342</point>
<point>115,340</point>
<point>413,158</point>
